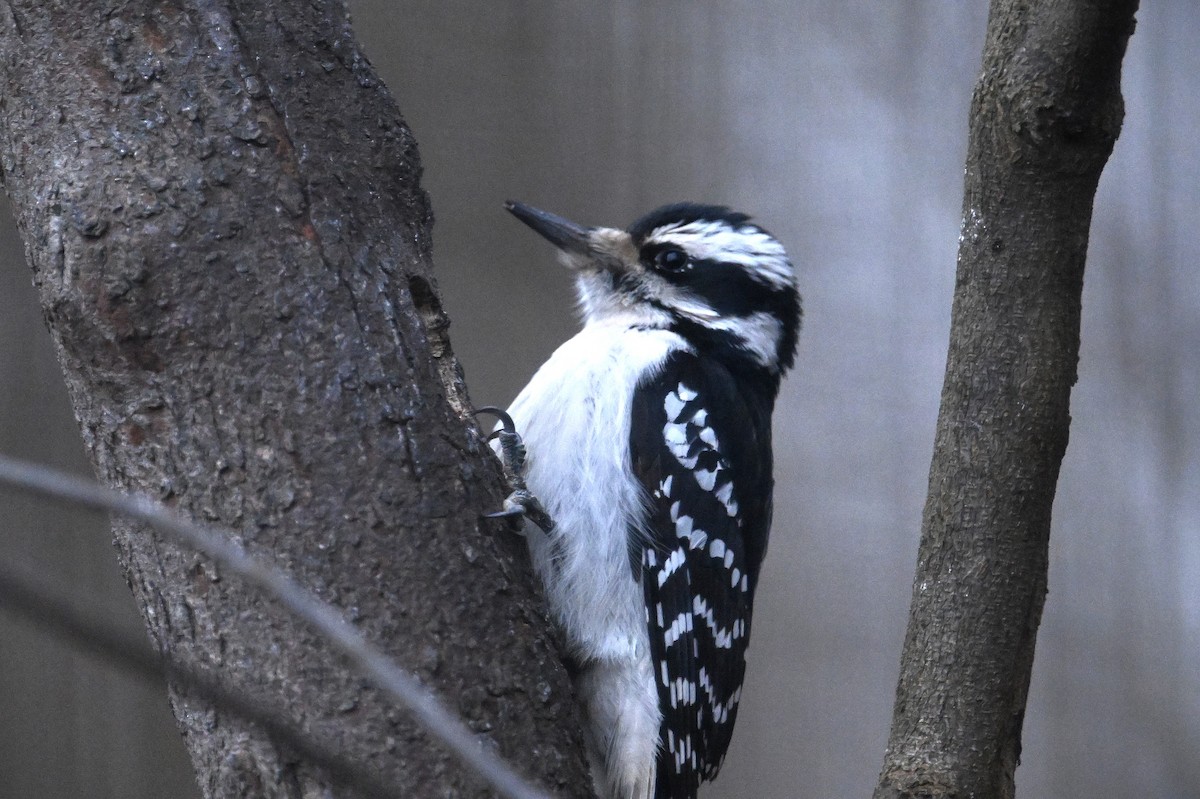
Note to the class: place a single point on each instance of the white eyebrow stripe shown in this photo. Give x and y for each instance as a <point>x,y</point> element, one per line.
<point>746,246</point>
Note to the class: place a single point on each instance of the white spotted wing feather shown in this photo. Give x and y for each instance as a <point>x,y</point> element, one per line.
<point>700,446</point>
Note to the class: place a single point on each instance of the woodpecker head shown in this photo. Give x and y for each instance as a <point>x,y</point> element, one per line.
<point>708,273</point>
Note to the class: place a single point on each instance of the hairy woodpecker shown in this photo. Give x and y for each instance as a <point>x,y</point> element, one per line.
<point>649,444</point>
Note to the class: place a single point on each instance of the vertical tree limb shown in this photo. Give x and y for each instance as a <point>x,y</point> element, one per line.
<point>221,206</point>
<point>1044,117</point>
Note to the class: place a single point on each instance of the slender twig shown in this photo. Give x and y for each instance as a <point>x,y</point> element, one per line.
<point>369,660</point>
<point>32,596</point>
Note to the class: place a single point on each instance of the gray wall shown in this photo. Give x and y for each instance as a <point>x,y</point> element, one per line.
<point>842,128</point>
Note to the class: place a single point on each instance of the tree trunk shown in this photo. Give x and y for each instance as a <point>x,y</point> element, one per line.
<point>1045,115</point>
<point>221,206</point>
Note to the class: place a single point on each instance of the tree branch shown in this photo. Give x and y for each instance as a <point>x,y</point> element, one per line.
<point>324,619</point>
<point>28,594</point>
<point>1045,115</point>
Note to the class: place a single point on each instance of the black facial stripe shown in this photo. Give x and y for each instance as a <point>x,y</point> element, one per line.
<point>728,288</point>
<point>730,291</point>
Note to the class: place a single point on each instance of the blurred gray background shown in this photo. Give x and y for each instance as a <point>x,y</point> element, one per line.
<point>842,128</point>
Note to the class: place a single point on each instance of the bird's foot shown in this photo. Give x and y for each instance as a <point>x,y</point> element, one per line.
<point>521,502</point>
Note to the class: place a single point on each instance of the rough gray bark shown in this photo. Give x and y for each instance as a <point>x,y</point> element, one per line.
<point>220,203</point>
<point>1046,112</point>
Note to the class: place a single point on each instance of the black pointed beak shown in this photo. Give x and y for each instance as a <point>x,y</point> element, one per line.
<point>562,233</point>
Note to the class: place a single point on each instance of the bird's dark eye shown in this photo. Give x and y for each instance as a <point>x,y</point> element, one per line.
<point>671,260</point>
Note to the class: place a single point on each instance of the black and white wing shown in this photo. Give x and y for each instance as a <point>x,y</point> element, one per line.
<point>700,445</point>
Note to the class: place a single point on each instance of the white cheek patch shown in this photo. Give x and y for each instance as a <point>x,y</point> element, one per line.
<point>759,334</point>
<point>693,309</point>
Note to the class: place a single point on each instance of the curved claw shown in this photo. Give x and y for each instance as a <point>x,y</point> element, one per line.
<point>507,513</point>
<point>522,504</point>
<point>506,421</point>
<point>512,451</point>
